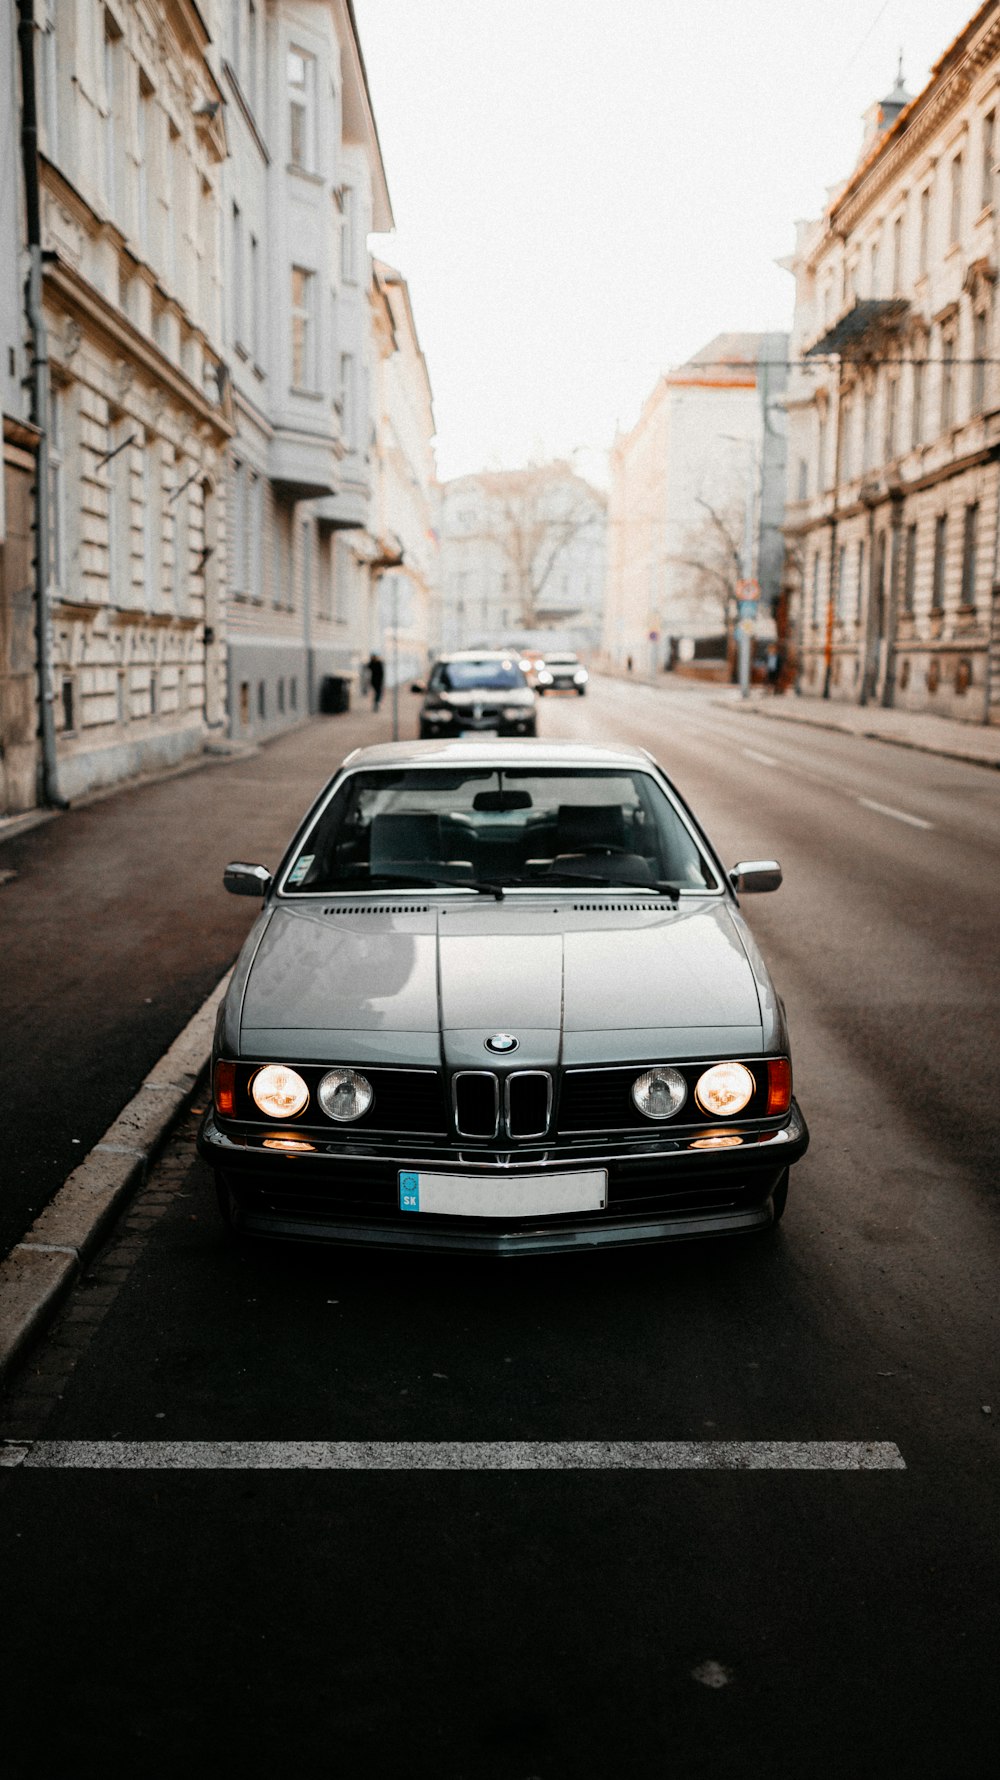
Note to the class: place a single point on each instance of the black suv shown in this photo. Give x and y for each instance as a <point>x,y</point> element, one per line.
<point>476,690</point>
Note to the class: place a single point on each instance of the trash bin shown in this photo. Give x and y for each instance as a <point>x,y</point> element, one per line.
<point>334,695</point>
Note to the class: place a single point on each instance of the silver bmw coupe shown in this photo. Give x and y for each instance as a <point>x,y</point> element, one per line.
<point>501,998</point>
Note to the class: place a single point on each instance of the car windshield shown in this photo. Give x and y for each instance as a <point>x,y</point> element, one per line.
<point>472,676</point>
<point>498,827</point>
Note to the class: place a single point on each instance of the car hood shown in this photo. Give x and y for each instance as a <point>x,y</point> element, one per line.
<point>573,982</point>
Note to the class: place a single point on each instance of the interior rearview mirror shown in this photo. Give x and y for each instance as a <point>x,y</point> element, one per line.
<point>752,875</point>
<point>246,880</point>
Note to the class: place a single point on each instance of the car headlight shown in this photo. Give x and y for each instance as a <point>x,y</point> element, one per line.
<point>580,676</point>
<point>279,1091</point>
<point>544,679</point>
<point>724,1089</point>
<point>659,1093</point>
<point>344,1095</point>
<point>515,713</point>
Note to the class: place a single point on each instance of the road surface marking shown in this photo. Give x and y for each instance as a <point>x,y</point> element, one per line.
<point>765,759</point>
<point>454,1455</point>
<point>886,809</point>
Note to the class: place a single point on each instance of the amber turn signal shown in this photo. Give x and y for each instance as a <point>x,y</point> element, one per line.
<point>779,1085</point>
<point>225,1088</point>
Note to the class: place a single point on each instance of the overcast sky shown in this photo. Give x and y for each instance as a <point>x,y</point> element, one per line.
<point>586,191</point>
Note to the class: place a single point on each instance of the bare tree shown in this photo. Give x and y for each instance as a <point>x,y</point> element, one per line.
<point>532,516</point>
<point>713,551</point>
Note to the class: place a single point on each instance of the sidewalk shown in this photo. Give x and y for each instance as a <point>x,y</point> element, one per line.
<point>977,743</point>
<point>114,927</point>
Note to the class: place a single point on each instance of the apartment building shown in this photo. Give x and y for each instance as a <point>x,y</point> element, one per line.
<point>132,142</point>
<point>408,613</point>
<point>303,189</point>
<point>697,488</point>
<point>894,413</point>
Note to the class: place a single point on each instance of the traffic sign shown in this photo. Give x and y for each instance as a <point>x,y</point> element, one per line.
<point>748,590</point>
<point>654,636</point>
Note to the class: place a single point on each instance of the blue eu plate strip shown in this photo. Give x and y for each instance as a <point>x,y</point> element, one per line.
<point>409,1192</point>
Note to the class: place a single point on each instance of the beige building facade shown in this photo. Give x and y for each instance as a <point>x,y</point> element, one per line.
<point>132,143</point>
<point>894,411</point>
<point>408,601</point>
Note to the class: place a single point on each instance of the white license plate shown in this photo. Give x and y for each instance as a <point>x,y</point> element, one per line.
<point>516,1196</point>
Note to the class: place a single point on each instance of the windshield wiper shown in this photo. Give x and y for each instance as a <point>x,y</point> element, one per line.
<point>659,886</point>
<point>413,880</point>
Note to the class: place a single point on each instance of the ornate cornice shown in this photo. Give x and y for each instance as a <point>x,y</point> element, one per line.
<point>924,118</point>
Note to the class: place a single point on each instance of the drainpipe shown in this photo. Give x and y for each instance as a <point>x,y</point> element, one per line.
<point>48,776</point>
<point>832,589</point>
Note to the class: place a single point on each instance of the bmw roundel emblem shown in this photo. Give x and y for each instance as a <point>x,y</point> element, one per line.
<point>501,1042</point>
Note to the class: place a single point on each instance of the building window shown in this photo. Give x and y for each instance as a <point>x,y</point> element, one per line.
<point>846,428</point>
<point>803,488</point>
<point>820,449</point>
<point>838,590</point>
<point>252,36</point>
<point>144,136</point>
<point>303,330</point>
<point>238,276</point>
<point>947,378</point>
<point>253,536</point>
<point>988,157</point>
<point>244,701</point>
<point>112,42</point>
<point>347,233</point>
<point>254,293</point>
<point>815,591</point>
<point>955,218</point>
<point>293,692</point>
<point>917,410</point>
<point>281,696</point>
<point>970,532</point>
<point>347,398</point>
<point>873,268</point>
<point>237,566</point>
<point>861,575</point>
<point>891,416</point>
<point>261,699</point>
<point>980,349</point>
<point>910,568</point>
<point>301,110</point>
<point>152,523</point>
<point>867,428</point>
<point>940,544</point>
<point>68,700</point>
<point>897,256</point>
<point>57,488</point>
<point>925,229</point>
<point>50,77</point>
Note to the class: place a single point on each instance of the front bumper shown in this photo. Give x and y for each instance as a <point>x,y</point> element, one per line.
<point>347,1192</point>
<point>491,723</point>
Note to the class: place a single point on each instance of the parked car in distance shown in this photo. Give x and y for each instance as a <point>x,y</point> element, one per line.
<point>501,998</point>
<point>561,673</point>
<point>476,690</point>
<point>529,661</point>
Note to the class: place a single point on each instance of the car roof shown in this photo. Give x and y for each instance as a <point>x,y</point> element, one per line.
<point>515,751</point>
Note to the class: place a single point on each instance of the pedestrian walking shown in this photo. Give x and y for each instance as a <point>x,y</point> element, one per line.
<point>376,678</point>
<point>775,663</point>
<point>628,663</point>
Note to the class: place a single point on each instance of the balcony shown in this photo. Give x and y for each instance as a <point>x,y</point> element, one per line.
<point>856,330</point>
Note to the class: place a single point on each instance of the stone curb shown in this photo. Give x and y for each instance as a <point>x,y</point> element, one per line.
<point>39,1270</point>
<point>943,750</point>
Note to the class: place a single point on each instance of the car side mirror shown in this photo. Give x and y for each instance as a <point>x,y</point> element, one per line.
<point>752,875</point>
<point>247,880</point>
<point>418,686</point>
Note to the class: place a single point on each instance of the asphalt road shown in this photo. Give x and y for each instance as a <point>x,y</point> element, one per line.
<point>567,1623</point>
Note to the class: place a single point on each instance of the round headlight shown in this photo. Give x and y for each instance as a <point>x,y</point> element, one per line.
<point>659,1093</point>
<point>344,1095</point>
<point>724,1089</point>
<point>580,676</point>
<point>279,1091</point>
